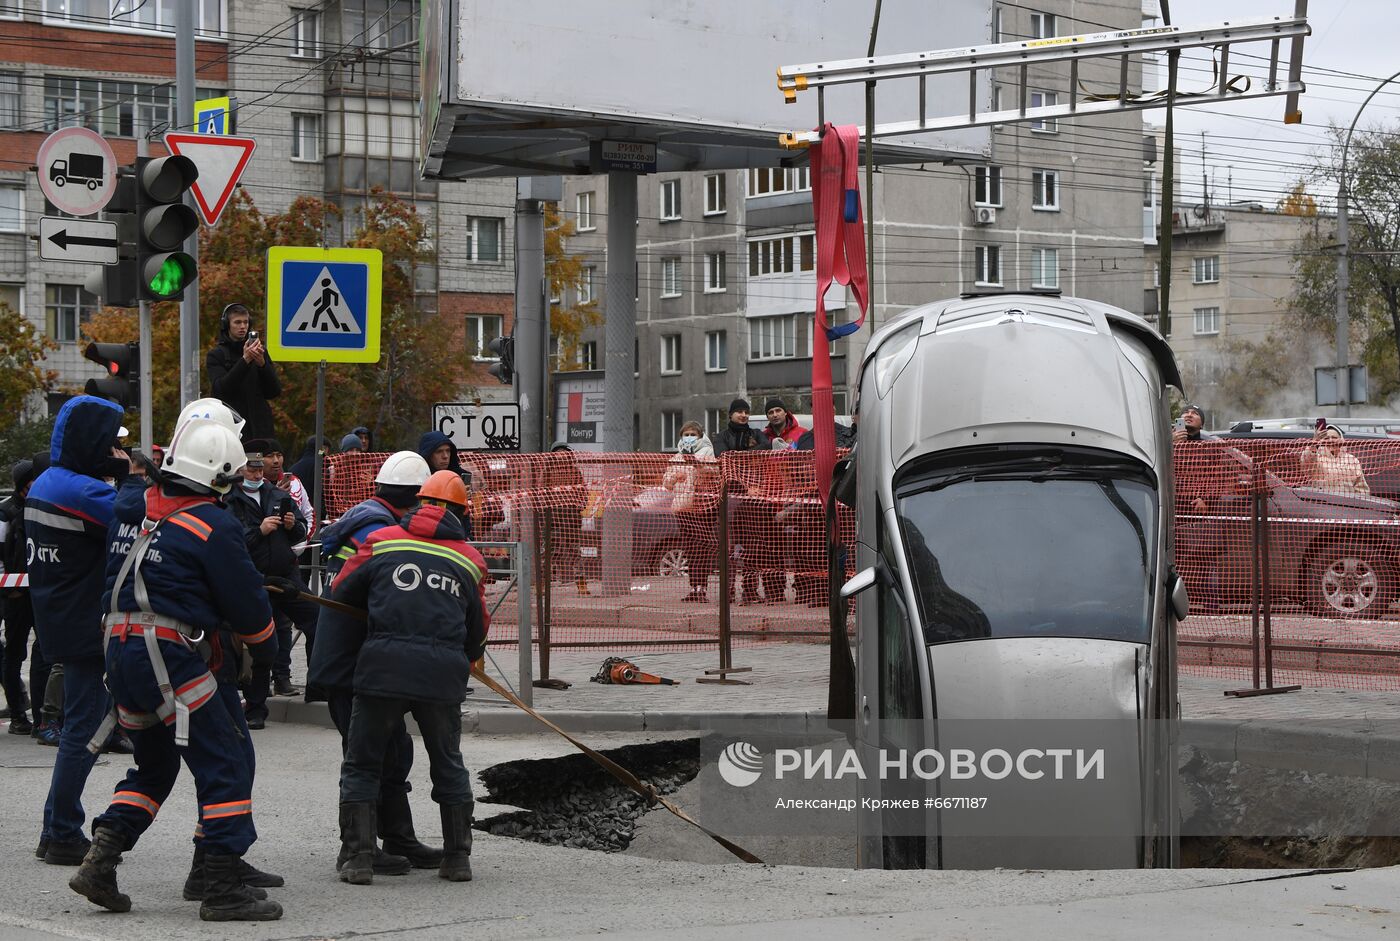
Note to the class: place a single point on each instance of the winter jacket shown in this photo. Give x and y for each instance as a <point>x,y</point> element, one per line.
<point>339,636</point>
<point>739,438</point>
<point>196,570</point>
<point>421,584</point>
<point>430,442</point>
<point>682,475</point>
<point>66,517</point>
<point>791,432</point>
<point>243,386</point>
<point>272,553</point>
<point>845,438</point>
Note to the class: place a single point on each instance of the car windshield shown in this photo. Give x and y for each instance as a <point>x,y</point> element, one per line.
<point>1065,548</point>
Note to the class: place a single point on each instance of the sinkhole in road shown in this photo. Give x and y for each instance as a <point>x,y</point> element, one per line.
<point>571,801</point>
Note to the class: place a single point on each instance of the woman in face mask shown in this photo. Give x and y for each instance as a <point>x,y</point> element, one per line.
<point>694,496</point>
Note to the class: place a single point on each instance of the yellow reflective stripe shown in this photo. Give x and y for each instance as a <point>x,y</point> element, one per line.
<point>411,545</point>
<point>344,552</point>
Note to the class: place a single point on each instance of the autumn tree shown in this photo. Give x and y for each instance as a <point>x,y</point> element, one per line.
<point>566,275</point>
<point>23,372</point>
<point>1298,202</point>
<point>394,396</point>
<point>1373,253</point>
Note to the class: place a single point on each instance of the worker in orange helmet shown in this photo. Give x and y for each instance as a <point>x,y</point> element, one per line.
<point>421,583</point>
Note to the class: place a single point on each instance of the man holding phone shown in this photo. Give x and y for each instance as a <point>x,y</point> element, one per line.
<point>272,526</point>
<point>240,372</point>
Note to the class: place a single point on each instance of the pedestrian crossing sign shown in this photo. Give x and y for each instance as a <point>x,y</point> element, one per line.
<point>214,116</point>
<point>323,304</point>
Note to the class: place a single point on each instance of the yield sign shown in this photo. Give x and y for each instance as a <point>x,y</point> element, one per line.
<point>220,160</point>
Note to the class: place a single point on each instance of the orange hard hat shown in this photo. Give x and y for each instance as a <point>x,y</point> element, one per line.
<point>447,486</point>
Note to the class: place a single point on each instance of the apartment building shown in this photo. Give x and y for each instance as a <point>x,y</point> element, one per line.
<point>726,260</point>
<point>329,91</point>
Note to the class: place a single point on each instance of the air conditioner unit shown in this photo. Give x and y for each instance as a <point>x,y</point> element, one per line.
<point>984,215</point>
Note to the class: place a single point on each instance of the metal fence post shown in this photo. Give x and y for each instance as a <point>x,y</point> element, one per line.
<point>726,654</point>
<point>526,689</point>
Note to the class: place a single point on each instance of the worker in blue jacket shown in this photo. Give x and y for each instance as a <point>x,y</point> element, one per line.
<point>65,523</point>
<point>173,575</point>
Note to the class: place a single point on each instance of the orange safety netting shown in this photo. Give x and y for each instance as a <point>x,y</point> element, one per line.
<point>629,550</point>
<point>1322,521</point>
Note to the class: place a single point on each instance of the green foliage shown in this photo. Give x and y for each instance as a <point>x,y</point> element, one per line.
<point>22,440</point>
<point>22,371</point>
<point>565,275</point>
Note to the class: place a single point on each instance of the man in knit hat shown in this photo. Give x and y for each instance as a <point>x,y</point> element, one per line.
<point>737,435</point>
<point>781,425</point>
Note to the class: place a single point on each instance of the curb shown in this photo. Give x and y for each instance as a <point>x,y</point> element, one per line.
<point>1366,754</point>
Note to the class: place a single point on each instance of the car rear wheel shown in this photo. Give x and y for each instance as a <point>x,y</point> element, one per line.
<point>672,561</point>
<point>1350,582</point>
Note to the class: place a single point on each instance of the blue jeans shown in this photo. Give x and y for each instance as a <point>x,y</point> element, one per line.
<point>86,703</point>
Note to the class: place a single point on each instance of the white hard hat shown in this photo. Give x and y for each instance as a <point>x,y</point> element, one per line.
<point>213,410</point>
<point>403,469</point>
<point>206,453</point>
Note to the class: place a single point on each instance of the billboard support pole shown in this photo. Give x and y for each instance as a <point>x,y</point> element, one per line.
<point>184,119</point>
<point>529,329</point>
<point>619,338</point>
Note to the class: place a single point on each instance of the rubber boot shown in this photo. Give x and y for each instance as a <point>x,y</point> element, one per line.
<point>456,843</point>
<point>96,878</point>
<point>357,840</point>
<point>228,899</point>
<point>194,883</point>
<point>396,829</point>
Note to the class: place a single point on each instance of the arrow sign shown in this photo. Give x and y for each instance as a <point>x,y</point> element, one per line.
<point>63,239</point>
<point>221,161</point>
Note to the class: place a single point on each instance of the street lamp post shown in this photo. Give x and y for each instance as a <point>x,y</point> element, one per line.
<point>1344,266</point>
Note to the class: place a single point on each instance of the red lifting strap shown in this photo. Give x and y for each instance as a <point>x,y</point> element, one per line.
<point>840,258</point>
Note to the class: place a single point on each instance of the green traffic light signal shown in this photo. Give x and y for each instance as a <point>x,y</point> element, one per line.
<point>172,276</point>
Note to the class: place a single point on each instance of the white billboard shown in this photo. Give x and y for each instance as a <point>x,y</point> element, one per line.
<point>535,86</point>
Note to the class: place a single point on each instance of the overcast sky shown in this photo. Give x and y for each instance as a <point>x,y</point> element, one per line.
<point>1247,143</point>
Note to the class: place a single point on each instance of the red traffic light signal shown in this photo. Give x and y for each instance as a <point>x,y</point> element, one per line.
<point>122,383</point>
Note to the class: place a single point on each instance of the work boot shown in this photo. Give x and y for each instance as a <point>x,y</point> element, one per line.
<point>96,878</point>
<point>282,686</point>
<point>195,889</point>
<point>385,864</point>
<point>227,898</point>
<point>253,876</point>
<point>456,843</point>
<point>396,829</point>
<point>19,725</point>
<point>67,853</point>
<point>357,842</point>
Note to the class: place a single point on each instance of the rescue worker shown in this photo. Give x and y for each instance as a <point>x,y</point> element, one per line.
<point>175,570</point>
<point>65,523</point>
<point>332,671</point>
<point>421,584</point>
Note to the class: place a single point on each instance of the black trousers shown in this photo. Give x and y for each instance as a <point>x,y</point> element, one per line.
<point>398,748</point>
<point>372,723</point>
<point>19,622</point>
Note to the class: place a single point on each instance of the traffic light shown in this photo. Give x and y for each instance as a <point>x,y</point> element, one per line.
<point>122,384</point>
<point>163,222</point>
<point>504,349</point>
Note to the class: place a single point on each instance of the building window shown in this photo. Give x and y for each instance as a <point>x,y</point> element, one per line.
<point>306,137</point>
<point>588,355</point>
<point>670,354</point>
<point>11,100</point>
<point>585,285</point>
<point>770,181</point>
<point>987,186</point>
<point>1207,320</point>
<point>716,420</point>
<point>671,276</point>
<point>481,330</point>
<point>670,200</point>
<point>1045,267</point>
<point>716,351</point>
<point>1043,26</point>
<point>134,14</point>
<point>715,265</point>
<point>670,430</point>
<point>11,208</point>
<point>714,194</point>
<point>780,255</point>
<point>110,108</point>
<point>306,33</point>
<point>773,337</point>
<point>483,239</point>
<point>66,308</point>
<point>1205,270</point>
<point>583,204</point>
<point>1045,99</point>
<point>988,260</point>
<point>1045,189</point>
